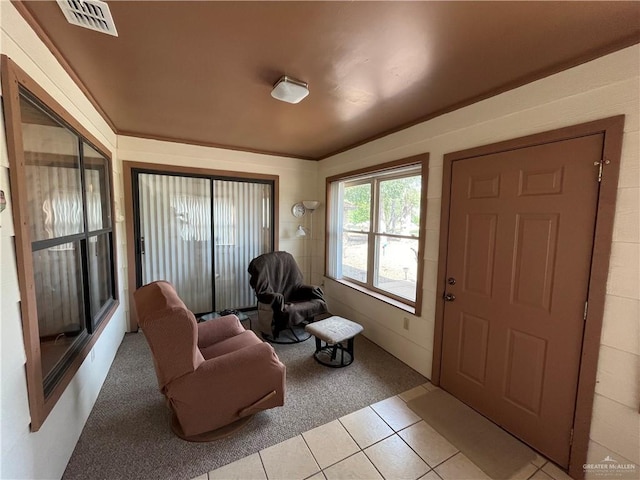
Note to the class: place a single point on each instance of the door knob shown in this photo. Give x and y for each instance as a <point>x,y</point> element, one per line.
<point>449,297</point>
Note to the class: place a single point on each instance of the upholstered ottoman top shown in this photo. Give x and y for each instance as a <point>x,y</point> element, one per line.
<point>334,329</point>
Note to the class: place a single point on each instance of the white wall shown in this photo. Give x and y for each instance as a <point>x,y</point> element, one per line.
<point>44,454</point>
<point>605,87</point>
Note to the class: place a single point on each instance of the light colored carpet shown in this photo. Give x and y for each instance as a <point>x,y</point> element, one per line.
<point>495,451</point>
<point>127,435</point>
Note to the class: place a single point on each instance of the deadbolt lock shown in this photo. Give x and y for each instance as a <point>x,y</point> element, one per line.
<point>451,281</point>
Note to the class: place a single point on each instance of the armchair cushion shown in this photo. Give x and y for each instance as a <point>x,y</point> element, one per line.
<point>228,345</point>
<point>214,331</point>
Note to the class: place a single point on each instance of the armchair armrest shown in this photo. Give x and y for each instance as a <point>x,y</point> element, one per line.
<point>246,363</point>
<point>307,292</point>
<point>223,387</point>
<point>214,331</point>
<point>276,300</point>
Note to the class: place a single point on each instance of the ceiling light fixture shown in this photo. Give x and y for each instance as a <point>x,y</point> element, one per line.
<point>289,90</point>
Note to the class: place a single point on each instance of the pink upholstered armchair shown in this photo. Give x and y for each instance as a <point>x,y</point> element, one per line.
<point>213,374</point>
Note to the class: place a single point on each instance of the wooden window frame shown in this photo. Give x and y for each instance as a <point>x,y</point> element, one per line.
<point>384,171</point>
<point>13,80</point>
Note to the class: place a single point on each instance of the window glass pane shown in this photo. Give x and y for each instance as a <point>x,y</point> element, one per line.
<point>357,207</point>
<point>96,181</point>
<point>52,169</point>
<point>399,211</point>
<point>58,285</point>
<point>397,266</point>
<point>354,255</point>
<point>100,280</point>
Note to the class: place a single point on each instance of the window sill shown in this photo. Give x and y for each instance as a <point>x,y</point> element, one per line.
<point>377,295</point>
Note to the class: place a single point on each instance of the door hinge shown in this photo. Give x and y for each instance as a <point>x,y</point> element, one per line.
<point>586,307</point>
<point>600,164</point>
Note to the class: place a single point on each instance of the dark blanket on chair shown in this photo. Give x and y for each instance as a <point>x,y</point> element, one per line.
<point>277,281</point>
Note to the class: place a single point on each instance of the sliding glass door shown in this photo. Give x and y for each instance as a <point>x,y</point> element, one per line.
<point>200,233</point>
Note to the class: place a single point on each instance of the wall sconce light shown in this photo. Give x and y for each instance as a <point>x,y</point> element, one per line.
<point>300,231</point>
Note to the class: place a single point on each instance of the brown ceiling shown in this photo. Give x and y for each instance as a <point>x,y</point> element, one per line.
<point>201,72</point>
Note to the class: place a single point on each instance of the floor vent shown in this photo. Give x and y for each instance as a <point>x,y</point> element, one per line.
<point>91,14</point>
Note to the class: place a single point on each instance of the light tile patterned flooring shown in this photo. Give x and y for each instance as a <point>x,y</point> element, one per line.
<point>386,440</point>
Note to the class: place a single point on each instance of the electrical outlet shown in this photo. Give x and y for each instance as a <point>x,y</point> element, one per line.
<point>406,323</point>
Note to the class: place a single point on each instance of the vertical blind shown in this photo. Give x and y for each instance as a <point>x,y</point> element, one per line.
<point>175,225</point>
<point>334,228</point>
<point>177,218</point>
<point>242,229</point>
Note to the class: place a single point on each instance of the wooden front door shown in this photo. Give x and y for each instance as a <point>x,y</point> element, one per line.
<point>521,230</point>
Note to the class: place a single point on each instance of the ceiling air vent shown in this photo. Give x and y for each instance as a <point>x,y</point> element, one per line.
<point>91,14</point>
